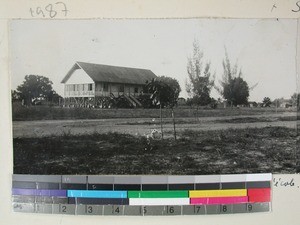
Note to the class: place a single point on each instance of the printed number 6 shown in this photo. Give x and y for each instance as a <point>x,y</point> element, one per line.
<point>170,209</point>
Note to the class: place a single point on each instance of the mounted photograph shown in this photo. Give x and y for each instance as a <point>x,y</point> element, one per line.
<point>155,96</point>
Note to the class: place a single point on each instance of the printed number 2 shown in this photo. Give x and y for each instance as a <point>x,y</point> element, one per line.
<point>64,208</point>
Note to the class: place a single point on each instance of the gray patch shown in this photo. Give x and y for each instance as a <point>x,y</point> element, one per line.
<point>113,210</point>
<point>133,210</point>
<point>193,210</point>
<point>43,208</point>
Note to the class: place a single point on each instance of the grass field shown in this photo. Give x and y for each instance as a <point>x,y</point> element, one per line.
<point>20,113</point>
<point>269,149</point>
<point>54,140</point>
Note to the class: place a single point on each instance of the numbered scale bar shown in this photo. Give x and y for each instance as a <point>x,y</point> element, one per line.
<point>129,210</point>
<point>141,195</point>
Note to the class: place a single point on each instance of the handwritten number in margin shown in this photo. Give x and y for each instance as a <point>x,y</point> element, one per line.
<point>52,12</point>
<point>65,10</point>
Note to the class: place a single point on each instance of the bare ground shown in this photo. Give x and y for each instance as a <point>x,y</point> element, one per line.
<point>144,126</point>
<point>251,150</point>
<point>205,145</point>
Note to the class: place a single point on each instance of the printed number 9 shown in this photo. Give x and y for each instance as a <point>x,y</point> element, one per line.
<point>249,207</point>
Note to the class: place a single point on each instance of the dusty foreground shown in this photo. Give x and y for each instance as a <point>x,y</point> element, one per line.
<point>251,150</point>
<point>204,145</point>
<point>144,126</point>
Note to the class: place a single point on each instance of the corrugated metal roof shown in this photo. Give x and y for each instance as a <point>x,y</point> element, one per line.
<point>112,74</point>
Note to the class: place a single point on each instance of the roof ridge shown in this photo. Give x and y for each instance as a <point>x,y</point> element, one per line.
<point>113,65</point>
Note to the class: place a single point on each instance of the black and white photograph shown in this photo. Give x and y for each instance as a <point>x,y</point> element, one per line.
<point>154,96</point>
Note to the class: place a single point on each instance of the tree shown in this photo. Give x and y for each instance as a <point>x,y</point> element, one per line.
<point>266,102</point>
<point>34,87</point>
<point>164,92</point>
<point>15,95</point>
<point>233,87</point>
<point>199,83</point>
<point>295,99</point>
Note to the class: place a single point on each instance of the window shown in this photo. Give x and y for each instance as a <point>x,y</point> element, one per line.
<point>105,87</point>
<point>121,88</point>
<point>74,86</point>
<point>136,90</point>
<point>90,87</point>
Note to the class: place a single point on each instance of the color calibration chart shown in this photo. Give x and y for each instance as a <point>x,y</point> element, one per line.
<point>141,195</point>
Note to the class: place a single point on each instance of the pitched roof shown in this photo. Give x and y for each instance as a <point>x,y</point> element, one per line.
<point>112,74</point>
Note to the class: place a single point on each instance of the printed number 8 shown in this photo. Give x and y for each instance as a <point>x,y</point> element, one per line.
<point>224,208</point>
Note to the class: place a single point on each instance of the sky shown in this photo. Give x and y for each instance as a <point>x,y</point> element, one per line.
<point>264,49</point>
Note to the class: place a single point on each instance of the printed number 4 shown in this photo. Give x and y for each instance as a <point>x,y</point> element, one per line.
<point>116,210</point>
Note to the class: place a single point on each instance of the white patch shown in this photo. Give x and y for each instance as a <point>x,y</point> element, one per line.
<point>79,77</point>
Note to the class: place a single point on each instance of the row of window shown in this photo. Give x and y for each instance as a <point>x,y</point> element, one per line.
<point>79,87</point>
<point>89,87</point>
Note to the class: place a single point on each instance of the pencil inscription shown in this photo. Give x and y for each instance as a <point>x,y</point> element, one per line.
<point>298,7</point>
<point>279,182</point>
<point>50,10</point>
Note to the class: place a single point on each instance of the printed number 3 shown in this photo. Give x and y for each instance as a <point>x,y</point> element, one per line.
<point>90,209</point>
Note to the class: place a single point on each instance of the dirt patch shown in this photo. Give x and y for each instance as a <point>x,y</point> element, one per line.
<point>252,150</point>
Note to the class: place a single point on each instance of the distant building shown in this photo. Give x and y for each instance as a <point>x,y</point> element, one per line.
<point>89,84</point>
<point>285,104</point>
<point>181,101</point>
<point>252,104</point>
